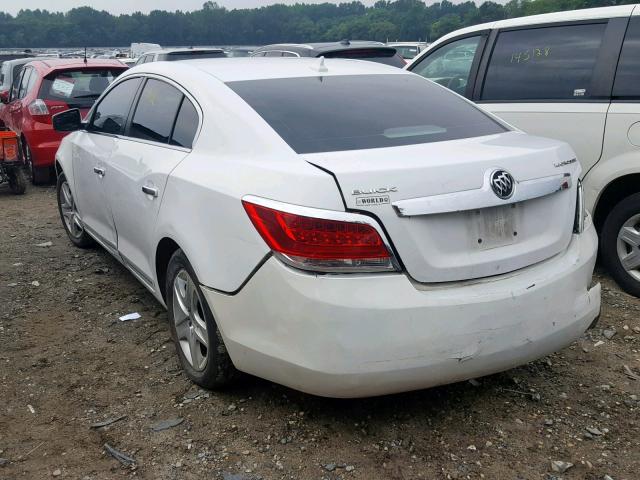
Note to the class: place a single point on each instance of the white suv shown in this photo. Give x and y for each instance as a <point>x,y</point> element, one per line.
<point>574,76</point>
<point>310,230</point>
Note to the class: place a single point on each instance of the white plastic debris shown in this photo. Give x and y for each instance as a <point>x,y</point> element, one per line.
<point>31,409</point>
<point>130,316</point>
<point>45,244</point>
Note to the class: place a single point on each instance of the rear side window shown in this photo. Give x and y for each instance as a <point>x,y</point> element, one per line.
<point>627,84</point>
<point>551,63</point>
<point>387,56</point>
<point>351,112</point>
<point>186,125</point>
<point>156,112</point>
<point>25,82</point>
<point>111,113</point>
<point>77,88</point>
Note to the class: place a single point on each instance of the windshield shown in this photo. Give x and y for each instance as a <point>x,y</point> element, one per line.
<point>407,51</point>
<point>351,112</point>
<point>77,88</point>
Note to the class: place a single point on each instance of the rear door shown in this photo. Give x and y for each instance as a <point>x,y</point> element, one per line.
<point>92,150</point>
<point>159,136</point>
<point>622,136</point>
<point>555,81</point>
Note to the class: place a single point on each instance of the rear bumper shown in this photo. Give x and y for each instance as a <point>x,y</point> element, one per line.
<point>353,336</point>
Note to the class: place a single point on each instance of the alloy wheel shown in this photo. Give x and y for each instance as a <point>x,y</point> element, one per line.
<point>629,246</point>
<point>188,316</point>
<point>69,212</point>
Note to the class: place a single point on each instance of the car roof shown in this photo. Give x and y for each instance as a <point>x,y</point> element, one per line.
<point>48,65</point>
<point>557,17</point>
<point>19,61</point>
<point>260,68</point>
<point>184,50</point>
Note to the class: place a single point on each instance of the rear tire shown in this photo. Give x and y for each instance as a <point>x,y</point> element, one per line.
<point>69,215</point>
<point>620,244</point>
<point>39,175</point>
<point>18,181</point>
<point>198,341</point>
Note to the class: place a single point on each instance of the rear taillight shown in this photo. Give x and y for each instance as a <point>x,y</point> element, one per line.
<point>9,147</point>
<point>320,240</point>
<point>38,107</point>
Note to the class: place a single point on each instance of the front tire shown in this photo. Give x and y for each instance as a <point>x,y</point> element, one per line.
<point>199,344</point>
<point>620,244</point>
<point>69,215</point>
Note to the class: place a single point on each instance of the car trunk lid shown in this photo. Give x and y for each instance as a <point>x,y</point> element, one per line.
<point>441,213</point>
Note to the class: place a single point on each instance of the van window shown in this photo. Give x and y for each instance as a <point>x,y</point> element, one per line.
<point>156,112</point>
<point>450,65</point>
<point>550,63</point>
<point>627,84</point>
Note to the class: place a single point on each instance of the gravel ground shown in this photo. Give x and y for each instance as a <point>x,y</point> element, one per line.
<point>67,363</point>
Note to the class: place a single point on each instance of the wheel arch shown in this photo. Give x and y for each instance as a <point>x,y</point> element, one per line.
<point>164,251</point>
<point>615,191</point>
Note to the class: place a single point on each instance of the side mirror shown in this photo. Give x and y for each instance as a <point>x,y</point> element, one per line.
<point>67,121</point>
<point>4,96</point>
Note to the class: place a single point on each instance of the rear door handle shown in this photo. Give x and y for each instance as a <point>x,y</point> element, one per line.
<point>150,191</point>
<point>99,171</point>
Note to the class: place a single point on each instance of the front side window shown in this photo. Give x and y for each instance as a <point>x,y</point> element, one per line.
<point>111,113</point>
<point>156,112</point>
<point>450,65</point>
<point>352,112</point>
<point>627,84</point>
<point>77,88</point>
<point>550,63</point>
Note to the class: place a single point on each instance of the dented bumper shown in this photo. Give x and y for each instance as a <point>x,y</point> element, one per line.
<point>362,335</point>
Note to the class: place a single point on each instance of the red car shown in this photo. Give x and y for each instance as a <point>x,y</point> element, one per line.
<point>44,88</point>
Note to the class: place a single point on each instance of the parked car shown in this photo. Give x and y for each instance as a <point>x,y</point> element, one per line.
<point>46,87</point>
<point>300,232</point>
<point>359,50</point>
<point>573,76</point>
<point>9,71</point>
<point>234,52</point>
<point>172,55</point>
<point>408,50</point>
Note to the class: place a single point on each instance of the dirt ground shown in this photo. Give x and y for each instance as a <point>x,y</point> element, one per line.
<point>66,363</point>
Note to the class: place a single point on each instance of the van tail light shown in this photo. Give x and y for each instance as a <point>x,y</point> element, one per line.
<point>321,240</point>
<point>581,211</point>
<point>38,107</point>
<point>9,147</point>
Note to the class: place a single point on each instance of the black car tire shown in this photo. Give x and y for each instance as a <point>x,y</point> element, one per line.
<point>80,238</point>
<point>219,370</point>
<point>619,215</point>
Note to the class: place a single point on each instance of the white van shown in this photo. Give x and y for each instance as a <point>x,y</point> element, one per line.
<point>573,76</point>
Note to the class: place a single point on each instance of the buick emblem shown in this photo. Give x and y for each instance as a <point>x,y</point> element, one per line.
<point>502,184</point>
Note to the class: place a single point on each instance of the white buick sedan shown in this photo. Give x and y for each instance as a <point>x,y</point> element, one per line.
<point>340,227</point>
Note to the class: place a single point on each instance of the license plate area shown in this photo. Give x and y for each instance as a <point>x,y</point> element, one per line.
<point>496,226</point>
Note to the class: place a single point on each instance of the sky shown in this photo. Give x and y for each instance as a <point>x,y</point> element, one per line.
<point>128,6</point>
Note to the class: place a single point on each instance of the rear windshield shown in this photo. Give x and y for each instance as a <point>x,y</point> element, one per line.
<point>352,112</point>
<point>77,88</point>
<point>191,55</point>
<point>387,56</point>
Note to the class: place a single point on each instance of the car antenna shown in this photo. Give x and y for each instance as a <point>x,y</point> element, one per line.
<point>85,55</point>
<point>320,67</point>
